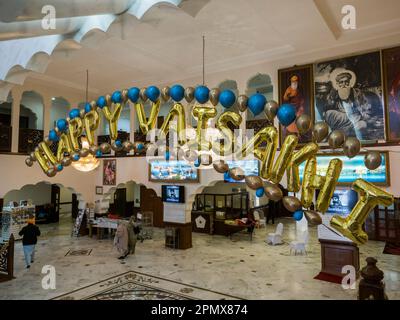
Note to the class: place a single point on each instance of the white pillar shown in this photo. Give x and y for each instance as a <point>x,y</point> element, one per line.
<point>16,95</point>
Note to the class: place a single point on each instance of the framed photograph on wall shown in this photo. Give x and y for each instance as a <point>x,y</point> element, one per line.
<point>173,171</point>
<point>391,79</point>
<point>348,96</point>
<point>99,190</point>
<point>110,172</point>
<point>296,88</point>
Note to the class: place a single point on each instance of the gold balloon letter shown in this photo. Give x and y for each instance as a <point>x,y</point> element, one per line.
<point>369,197</point>
<point>284,158</point>
<point>203,114</point>
<point>91,123</point>
<point>144,124</point>
<point>112,118</point>
<point>229,137</point>
<point>75,128</point>
<point>176,111</point>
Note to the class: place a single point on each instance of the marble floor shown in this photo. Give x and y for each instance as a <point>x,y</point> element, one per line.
<point>237,266</point>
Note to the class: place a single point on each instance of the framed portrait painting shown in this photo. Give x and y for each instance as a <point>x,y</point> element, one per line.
<point>391,76</point>
<point>110,172</point>
<point>295,87</point>
<point>348,96</point>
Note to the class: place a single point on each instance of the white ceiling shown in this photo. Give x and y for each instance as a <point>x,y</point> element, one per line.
<point>165,44</point>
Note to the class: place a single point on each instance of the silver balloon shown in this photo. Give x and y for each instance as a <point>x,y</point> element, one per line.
<point>127,146</point>
<point>29,162</point>
<point>320,132</point>
<point>254,182</point>
<point>189,94</point>
<point>351,147</point>
<point>115,147</point>
<point>82,113</point>
<point>242,102</point>
<point>93,149</point>
<point>336,139</point>
<point>271,109</point>
<point>273,192</point>
<point>51,172</point>
<point>214,96</point>
<point>373,160</point>
<point>313,217</point>
<point>83,153</point>
<point>66,161</point>
<point>292,204</point>
<point>142,94</point>
<point>205,159</point>
<point>48,141</point>
<point>220,166</point>
<point>105,147</point>
<point>124,95</point>
<point>165,93</point>
<point>93,105</point>
<point>32,156</point>
<point>190,155</point>
<point>303,123</point>
<point>237,174</point>
<point>108,100</point>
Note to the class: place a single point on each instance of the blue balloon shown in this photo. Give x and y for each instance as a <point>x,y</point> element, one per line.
<point>227,98</point>
<point>298,215</point>
<point>133,94</point>
<point>99,153</point>
<point>177,92</point>
<point>260,192</point>
<point>60,167</point>
<point>152,93</point>
<point>76,157</point>
<point>116,97</point>
<point>140,146</point>
<point>201,93</point>
<point>118,143</point>
<point>88,107</point>
<point>256,103</point>
<point>101,102</point>
<point>62,124</point>
<point>53,136</point>
<point>167,155</point>
<point>286,114</point>
<point>74,113</point>
<point>197,162</point>
<point>227,176</point>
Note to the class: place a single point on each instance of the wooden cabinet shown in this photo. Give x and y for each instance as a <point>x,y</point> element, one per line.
<point>184,234</point>
<point>208,217</point>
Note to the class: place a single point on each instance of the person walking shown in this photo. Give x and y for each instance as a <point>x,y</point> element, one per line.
<point>133,229</point>
<point>121,240</point>
<point>29,235</point>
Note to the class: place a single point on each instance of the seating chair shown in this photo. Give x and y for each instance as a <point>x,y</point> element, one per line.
<point>299,246</point>
<point>260,219</point>
<point>276,237</point>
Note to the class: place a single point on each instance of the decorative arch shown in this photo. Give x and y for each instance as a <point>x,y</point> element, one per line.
<point>31,110</point>
<point>6,111</point>
<point>259,83</point>
<point>59,109</point>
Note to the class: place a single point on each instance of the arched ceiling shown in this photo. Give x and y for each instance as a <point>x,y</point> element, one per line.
<point>139,42</point>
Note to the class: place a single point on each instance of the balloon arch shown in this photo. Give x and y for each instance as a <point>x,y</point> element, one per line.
<point>69,149</point>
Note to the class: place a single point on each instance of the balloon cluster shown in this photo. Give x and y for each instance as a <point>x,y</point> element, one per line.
<point>68,131</point>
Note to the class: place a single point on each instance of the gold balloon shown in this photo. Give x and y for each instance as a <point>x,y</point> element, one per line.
<point>142,94</point>
<point>144,124</point>
<point>66,161</point>
<point>91,121</point>
<point>205,159</point>
<point>267,156</point>
<point>105,147</point>
<point>82,113</point>
<point>51,172</point>
<point>313,217</point>
<point>303,123</point>
<point>237,174</point>
<point>242,102</point>
<point>273,192</point>
<point>351,147</point>
<point>116,147</point>
<point>214,96</point>
<point>224,119</point>
<point>369,197</point>
<point>83,153</point>
<point>307,188</point>
<point>220,166</point>
<point>165,93</point>
<point>203,114</point>
<point>127,146</point>
<point>373,160</point>
<point>93,149</point>
<point>75,129</point>
<point>254,182</point>
<point>271,109</point>
<point>124,95</point>
<point>177,111</point>
<point>191,155</point>
<point>320,131</point>
<point>189,94</point>
<point>284,158</point>
<point>291,203</point>
<point>336,139</point>
<point>29,162</point>
<point>112,118</point>
<point>293,175</point>
<point>32,156</point>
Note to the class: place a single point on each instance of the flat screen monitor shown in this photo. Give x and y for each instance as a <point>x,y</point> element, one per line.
<point>342,202</point>
<point>250,167</point>
<point>172,171</point>
<point>173,194</point>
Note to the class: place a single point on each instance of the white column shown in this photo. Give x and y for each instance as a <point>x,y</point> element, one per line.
<point>16,95</point>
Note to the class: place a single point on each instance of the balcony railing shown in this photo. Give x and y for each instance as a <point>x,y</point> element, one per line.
<point>5,138</point>
<point>29,139</point>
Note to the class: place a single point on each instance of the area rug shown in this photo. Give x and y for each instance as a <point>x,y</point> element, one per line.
<point>83,252</point>
<point>328,277</point>
<point>134,285</point>
<point>392,248</point>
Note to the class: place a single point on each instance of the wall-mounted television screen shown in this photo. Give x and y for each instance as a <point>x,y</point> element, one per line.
<point>250,167</point>
<point>353,169</point>
<point>172,171</point>
<point>173,194</point>
<point>342,202</point>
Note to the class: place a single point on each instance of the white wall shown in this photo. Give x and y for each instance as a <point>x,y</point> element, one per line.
<point>39,194</point>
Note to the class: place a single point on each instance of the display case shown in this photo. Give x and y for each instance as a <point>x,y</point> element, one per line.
<point>13,219</point>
